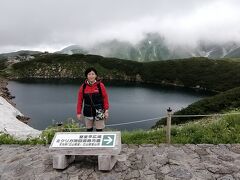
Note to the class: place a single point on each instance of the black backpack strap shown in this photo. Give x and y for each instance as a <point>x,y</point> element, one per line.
<point>84,87</point>
<point>99,89</point>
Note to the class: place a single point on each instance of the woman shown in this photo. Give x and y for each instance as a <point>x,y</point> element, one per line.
<point>94,95</point>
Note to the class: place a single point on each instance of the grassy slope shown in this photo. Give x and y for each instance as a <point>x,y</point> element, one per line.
<point>214,130</point>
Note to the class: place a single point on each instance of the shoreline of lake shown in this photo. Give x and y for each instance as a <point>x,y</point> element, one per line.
<point>58,97</point>
<point>12,120</point>
<point>5,92</point>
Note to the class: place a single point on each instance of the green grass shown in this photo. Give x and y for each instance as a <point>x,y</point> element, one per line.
<point>46,136</point>
<point>214,130</point>
<point>143,137</point>
<point>224,130</point>
<point>7,139</point>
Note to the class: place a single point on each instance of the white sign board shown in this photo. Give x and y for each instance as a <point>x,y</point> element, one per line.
<point>66,140</point>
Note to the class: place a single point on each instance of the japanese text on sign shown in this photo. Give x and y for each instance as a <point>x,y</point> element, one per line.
<point>84,140</point>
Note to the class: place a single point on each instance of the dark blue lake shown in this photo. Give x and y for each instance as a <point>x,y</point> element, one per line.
<point>45,101</point>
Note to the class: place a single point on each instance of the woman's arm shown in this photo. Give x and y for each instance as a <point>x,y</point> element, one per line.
<point>79,101</point>
<point>105,97</point>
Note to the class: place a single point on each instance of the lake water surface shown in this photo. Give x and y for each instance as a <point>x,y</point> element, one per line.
<point>48,101</point>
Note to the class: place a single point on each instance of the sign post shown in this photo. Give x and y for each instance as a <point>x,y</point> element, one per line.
<point>83,140</point>
<point>168,130</point>
<point>66,145</point>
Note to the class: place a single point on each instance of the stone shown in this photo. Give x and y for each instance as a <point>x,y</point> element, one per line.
<point>73,177</point>
<point>148,172</point>
<point>180,173</point>
<point>132,174</point>
<point>202,174</point>
<point>138,165</point>
<point>139,156</point>
<point>149,177</point>
<point>120,166</point>
<point>165,169</point>
<point>226,177</point>
<point>133,146</point>
<point>197,167</point>
<point>225,158</point>
<point>162,160</point>
<point>187,150</point>
<point>132,157</point>
<point>211,160</point>
<point>154,167</point>
<point>236,176</point>
<point>51,176</point>
<point>235,148</point>
<point>159,175</point>
<point>147,145</point>
<point>220,169</point>
<point>201,152</point>
<point>110,177</point>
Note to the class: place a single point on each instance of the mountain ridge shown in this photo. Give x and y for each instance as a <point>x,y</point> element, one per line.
<point>199,73</point>
<point>154,47</point>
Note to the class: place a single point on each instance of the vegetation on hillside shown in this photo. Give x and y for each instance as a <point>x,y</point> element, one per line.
<point>73,66</point>
<point>3,63</point>
<point>203,73</point>
<point>218,75</point>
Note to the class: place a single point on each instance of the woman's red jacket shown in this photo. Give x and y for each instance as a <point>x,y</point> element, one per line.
<point>89,90</point>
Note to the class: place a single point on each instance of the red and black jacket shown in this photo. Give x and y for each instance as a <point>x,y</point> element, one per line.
<point>94,97</point>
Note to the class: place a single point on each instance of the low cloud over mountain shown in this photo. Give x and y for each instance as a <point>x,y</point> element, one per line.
<point>52,25</point>
<point>154,47</point>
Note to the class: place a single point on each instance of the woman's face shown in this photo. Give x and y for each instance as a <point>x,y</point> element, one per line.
<point>91,76</point>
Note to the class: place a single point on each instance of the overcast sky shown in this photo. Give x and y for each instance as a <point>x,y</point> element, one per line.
<point>50,25</point>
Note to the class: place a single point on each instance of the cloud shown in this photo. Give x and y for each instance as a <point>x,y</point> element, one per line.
<point>52,24</point>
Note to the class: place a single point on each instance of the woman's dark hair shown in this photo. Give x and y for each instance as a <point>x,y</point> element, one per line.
<point>88,70</point>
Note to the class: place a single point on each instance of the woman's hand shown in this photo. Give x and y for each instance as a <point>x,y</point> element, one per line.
<point>79,117</point>
<point>106,114</point>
